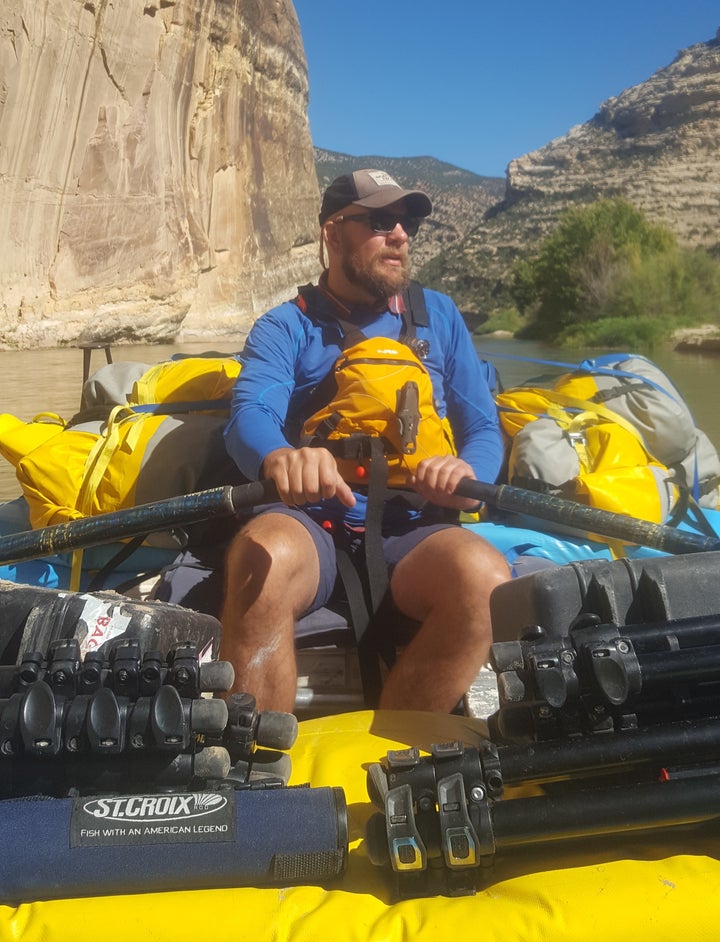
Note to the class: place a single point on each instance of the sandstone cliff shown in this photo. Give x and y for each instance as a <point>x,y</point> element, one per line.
<point>156,168</point>
<point>655,145</point>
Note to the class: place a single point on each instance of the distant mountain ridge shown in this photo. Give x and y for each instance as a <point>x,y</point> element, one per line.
<point>460,198</point>
<point>330,164</point>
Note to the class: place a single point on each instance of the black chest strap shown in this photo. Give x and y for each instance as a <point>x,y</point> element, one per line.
<point>413,315</point>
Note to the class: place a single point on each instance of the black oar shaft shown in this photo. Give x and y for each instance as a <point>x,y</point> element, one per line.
<point>135,521</point>
<point>226,501</point>
<point>588,519</point>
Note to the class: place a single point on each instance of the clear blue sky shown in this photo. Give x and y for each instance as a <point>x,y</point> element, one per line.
<point>476,83</point>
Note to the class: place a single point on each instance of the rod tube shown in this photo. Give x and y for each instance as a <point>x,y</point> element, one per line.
<point>695,664</point>
<point>606,811</point>
<point>558,759</point>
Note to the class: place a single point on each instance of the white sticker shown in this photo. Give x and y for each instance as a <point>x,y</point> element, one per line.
<point>382,178</point>
<point>103,623</point>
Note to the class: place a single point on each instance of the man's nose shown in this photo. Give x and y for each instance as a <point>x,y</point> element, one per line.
<point>398,234</point>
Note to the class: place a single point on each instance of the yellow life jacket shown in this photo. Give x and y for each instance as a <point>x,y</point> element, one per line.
<point>378,397</point>
<point>382,391</point>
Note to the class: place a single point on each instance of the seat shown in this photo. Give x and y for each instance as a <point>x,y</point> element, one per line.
<point>337,671</point>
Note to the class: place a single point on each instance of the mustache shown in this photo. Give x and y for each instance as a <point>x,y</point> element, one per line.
<point>389,253</point>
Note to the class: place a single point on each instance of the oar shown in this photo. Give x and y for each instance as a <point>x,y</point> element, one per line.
<point>135,521</point>
<point>588,519</point>
<point>227,501</point>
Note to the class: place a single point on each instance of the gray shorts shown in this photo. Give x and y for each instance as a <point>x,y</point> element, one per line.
<point>396,545</point>
<point>195,579</point>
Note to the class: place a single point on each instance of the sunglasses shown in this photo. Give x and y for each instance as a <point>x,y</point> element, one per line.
<point>384,223</point>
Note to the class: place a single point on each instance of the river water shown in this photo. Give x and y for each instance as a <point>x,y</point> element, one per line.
<point>34,381</point>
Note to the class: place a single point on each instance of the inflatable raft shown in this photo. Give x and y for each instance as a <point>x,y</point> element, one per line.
<point>623,887</point>
<point>624,890</point>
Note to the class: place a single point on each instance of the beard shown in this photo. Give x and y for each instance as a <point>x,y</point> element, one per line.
<point>379,281</point>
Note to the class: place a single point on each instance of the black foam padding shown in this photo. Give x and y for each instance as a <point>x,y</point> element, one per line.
<point>212,762</point>
<point>276,730</point>
<point>216,676</point>
<point>208,716</point>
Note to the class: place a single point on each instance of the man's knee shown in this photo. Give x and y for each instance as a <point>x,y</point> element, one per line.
<point>470,562</point>
<point>492,565</point>
<point>273,554</point>
<point>452,570</point>
<point>270,541</point>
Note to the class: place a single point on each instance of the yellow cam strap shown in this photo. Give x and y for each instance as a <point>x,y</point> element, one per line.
<point>76,570</point>
<point>103,451</point>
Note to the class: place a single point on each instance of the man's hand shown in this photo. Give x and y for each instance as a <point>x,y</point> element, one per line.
<point>306,475</point>
<point>436,479</point>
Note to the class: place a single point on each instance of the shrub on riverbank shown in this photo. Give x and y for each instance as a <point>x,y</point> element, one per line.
<point>608,277</point>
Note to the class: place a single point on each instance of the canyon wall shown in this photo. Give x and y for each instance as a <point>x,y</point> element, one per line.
<point>156,168</point>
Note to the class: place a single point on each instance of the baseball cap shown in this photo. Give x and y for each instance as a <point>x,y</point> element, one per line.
<point>372,189</point>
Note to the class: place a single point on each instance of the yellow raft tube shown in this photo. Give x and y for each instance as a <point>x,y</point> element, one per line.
<point>668,889</point>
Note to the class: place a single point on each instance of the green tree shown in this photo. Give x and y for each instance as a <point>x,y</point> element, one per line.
<point>607,271</point>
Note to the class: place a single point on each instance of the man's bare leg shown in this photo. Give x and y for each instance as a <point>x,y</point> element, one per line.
<point>272,572</point>
<point>445,583</point>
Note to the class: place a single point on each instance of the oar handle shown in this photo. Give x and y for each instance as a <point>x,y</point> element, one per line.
<point>134,521</point>
<point>588,519</point>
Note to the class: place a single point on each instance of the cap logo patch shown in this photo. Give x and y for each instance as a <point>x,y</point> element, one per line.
<point>382,178</point>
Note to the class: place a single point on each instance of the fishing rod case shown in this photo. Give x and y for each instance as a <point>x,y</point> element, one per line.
<point>115,769</point>
<point>109,845</point>
<point>622,591</point>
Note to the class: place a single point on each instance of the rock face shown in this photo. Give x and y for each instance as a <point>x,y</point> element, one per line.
<point>156,168</point>
<point>655,145</point>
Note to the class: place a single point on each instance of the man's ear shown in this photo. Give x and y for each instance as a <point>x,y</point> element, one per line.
<point>331,235</point>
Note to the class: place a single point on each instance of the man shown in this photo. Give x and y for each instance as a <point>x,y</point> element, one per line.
<point>282,563</point>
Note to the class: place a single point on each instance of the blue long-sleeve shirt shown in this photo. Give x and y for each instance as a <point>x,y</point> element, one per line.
<point>288,353</point>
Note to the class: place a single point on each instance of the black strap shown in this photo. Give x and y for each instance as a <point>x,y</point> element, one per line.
<point>309,295</point>
<point>414,298</point>
<point>615,392</point>
<point>414,315</point>
<point>368,656</point>
<point>687,508</point>
<point>374,556</point>
<point>126,550</point>
<point>366,596</point>
<point>366,602</point>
